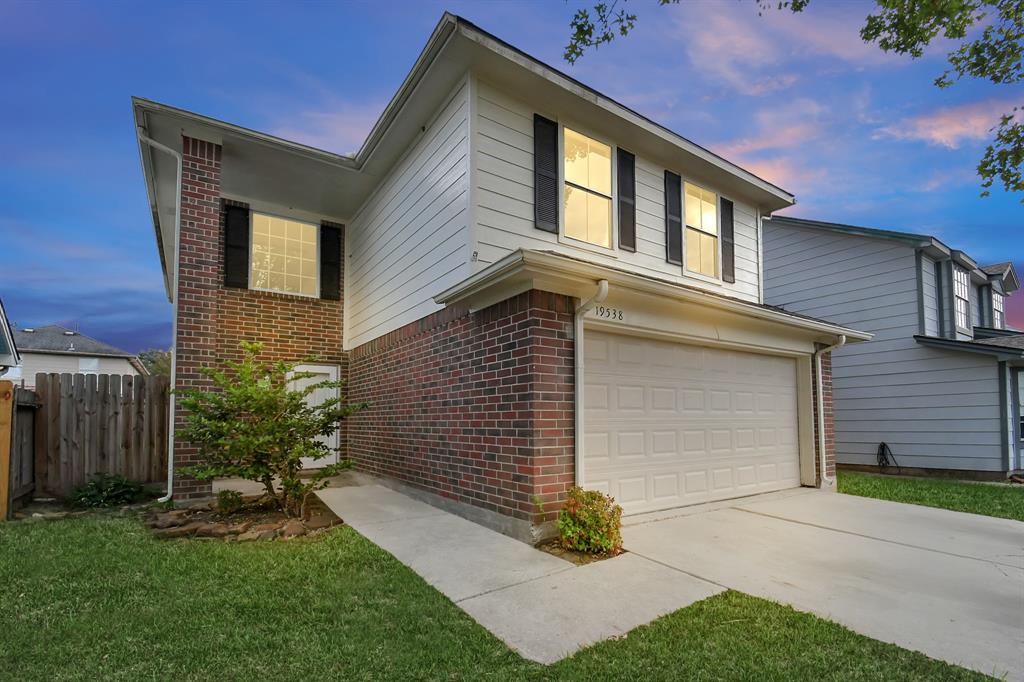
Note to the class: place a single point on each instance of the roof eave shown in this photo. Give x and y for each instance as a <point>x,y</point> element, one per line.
<point>999,352</point>
<point>578,277</point>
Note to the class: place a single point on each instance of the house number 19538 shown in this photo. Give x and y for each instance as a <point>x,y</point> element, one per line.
<point>608,313</point>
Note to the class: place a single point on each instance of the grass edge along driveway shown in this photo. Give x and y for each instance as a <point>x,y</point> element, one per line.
<point>1001,500</point>
<point>98,598</point>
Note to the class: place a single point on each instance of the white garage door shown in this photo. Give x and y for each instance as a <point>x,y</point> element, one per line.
<point>668,424</point>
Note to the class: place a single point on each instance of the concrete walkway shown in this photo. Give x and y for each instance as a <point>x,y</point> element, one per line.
<point>543,607</point>
<point>948,584</point>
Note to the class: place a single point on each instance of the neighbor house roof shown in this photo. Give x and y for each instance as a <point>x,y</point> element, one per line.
<point>934,247</point>
<point>8,346</point>
<point>336,185</point>
<point>59,340</point>
<point>1002,347</point>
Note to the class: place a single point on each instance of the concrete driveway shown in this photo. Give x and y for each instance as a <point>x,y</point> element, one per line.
<point>948,584</point>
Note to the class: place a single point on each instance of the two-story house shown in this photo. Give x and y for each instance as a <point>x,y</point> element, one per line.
<point>530,284</point>
<point>939,384</point>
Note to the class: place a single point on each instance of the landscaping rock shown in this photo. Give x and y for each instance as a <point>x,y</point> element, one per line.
<point>322,521</point>
<point>266,526</point>
<point>240,528</point>
<point>179,531</point>
<point>293,529</point>
<point>169,519</point>
<point>212,530</point>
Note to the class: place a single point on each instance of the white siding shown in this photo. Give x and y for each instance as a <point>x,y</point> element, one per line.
<point>505,214</point>
<point>935,408</point>
<point>33,363</point>
<point>410,240</point>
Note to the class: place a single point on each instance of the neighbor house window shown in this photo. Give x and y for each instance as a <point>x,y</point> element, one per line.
<point>961,297</point>
<point>997,310</point>
<point>588,189</point>
<point>89,365</point>
<point>701,208</point>
<point>283,255</point>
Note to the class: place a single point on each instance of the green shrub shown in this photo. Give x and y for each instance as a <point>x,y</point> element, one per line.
<point>108,490</point>
<point>590,522</point>
<point>229,501</point>
<point>254,425</point>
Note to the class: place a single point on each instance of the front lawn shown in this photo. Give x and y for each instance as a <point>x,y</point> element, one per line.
<point>1003,500</point>
<point>97,598</point>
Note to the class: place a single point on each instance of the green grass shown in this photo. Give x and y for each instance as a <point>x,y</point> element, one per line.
<point>989,499</point>
<point>97,598</point>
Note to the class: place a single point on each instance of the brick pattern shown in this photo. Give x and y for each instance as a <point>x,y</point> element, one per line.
<point>213,319</point>
<point>199,279</point>
<point>830,437</point>
<point>474,407</point>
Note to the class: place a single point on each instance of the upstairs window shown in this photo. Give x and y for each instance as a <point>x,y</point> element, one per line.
<point>284,255</point>
<point>701,209</point>
<point>998,319</point>
<point>588,189</point>
<point>961,297</point>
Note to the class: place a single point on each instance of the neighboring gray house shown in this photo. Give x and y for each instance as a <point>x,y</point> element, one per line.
<point>54,349</point>
<point>940,381</point>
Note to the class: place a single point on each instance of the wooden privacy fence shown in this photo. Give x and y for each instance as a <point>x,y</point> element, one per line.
<point>17,454</point>
<point>88,424</point>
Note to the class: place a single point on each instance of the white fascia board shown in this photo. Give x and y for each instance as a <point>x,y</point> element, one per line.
<point>526,269</point>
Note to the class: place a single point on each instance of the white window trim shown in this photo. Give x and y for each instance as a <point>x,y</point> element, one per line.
<point>718,238</point>
<point>967,301</point>
<point>995,295</point>
<point>563,238</point>
<point>305,221</point>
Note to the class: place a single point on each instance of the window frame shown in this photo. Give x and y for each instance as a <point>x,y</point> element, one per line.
<point>563,238</point>
<point>958,270</point>
<point>252,246</point>
<point>717,278</point>
<point>996,296</point>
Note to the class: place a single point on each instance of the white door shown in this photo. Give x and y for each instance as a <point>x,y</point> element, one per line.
<point>317,397</point>
<point>668,424</point>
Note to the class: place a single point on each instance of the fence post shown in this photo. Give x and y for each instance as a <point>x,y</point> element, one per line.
<point>6,420</point>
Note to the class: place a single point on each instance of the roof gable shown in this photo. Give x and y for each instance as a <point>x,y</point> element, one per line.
<point>9,356</point>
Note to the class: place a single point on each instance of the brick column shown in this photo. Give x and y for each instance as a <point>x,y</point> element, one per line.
<point>830,438</point>
<point>199,279</point>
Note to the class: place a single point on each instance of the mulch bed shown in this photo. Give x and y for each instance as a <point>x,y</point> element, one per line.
<point>257,519</point>
<point>555,548</point>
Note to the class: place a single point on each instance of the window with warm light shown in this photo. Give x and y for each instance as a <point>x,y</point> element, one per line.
<point>961,297</point>
<point>588,189</point>
<point>701,210</point>
<point>284,257</point>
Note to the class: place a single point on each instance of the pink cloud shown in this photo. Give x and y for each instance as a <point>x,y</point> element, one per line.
<point>341,129</point>
<point>951,126</point>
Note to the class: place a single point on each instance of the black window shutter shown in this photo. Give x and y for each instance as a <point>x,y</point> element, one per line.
<point>728,243</point>
<point>236,246</point>
<point>627,200</point>
<point>545,173</point>
<point>330,262</point>
<point>673,218</point>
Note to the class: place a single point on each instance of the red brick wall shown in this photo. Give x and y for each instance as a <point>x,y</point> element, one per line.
<point>830,438</point>
<point>213,319</point>
<point>474,407</point>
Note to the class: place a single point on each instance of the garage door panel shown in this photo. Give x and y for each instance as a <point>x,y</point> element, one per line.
<point>672,424</point>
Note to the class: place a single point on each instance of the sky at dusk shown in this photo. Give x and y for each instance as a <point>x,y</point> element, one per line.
<point>859,136</point>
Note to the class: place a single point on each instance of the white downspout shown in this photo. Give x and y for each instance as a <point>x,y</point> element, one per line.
<point>174,307</point>
<point>825,480</point>
<point>581,310</point>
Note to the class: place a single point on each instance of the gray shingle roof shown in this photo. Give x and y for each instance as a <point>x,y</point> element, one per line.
<point>1016,341</point>
<point>55,339</point>
<point>996,268</point>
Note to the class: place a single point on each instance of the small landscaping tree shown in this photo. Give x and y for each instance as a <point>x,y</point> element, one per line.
<point>254,425</point>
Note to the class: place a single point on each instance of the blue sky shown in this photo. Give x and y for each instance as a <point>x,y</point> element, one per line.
<point>857,135</point>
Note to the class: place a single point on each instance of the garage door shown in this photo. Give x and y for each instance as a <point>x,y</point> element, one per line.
<point>668,424</point>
